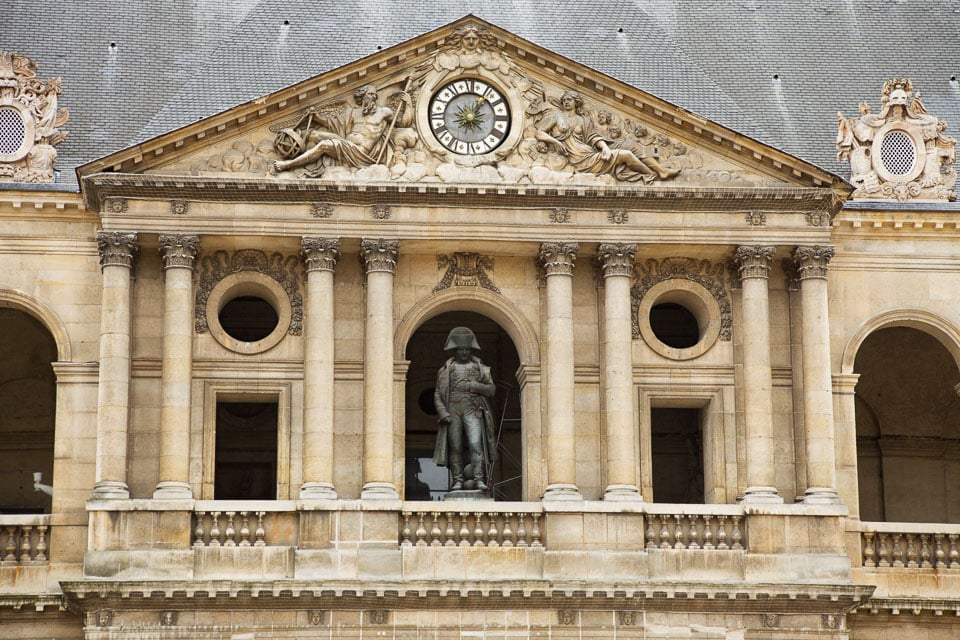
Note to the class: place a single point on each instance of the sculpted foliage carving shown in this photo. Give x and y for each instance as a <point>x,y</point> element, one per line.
<point>464,269</point>
<point>30,121</point>
<point>710,275</point>
<point>286,270</point>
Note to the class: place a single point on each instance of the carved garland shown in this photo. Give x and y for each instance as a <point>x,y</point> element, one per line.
<point>284,269</point>
<point>710,275</point>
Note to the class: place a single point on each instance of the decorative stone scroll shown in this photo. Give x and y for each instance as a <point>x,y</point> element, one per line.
<point>30,121</point>
<point>464,269</point>
<point>712,276</point>
<point>900,153</point>
<point>116,248</point>
<point>284,269</point>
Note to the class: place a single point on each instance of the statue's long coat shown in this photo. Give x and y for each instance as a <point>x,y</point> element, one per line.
<point>442,400</point>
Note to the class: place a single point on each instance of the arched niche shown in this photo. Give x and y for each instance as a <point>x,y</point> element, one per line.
<point>13,299</point>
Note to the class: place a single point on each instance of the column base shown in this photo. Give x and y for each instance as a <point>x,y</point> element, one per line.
<point>622,493</point>
<point>761,495</point>
<point>110,490</point>
<point>318,491</point>
<point>172,491</point>
<point>821,495</point>
<point>561,491</point>
<point>379,491</point>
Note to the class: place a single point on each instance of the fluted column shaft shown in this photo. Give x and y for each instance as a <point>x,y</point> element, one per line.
<point>616,261</point>
<point>558,259</point>
<point>176,372</point>
<point>754,263</point>
<point>320,256</point>
<point>380,259</point>
<point>812,264</point>
<point>117,251</point>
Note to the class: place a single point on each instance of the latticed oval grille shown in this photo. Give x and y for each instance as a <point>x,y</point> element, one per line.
<point>12,131</point>
<point>898,153</point>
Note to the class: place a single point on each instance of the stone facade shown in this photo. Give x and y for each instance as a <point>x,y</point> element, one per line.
<point>700,432</point>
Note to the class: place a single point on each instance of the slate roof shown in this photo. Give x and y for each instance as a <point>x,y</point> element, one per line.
<point>777,71</point>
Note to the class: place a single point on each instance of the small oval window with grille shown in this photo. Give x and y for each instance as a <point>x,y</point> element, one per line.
<point>12,131</point>
<point>898,153</point>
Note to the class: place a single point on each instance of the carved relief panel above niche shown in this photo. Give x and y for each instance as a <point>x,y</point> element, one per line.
<point>468,112</point>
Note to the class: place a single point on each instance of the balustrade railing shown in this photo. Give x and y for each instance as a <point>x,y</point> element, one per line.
<point>695,531</point>
<point>24,539</point>
<point>908,546</point>
<point>227,524</point>
<point>472,528</point>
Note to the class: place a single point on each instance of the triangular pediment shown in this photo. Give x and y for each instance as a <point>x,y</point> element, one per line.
<point>469,103</point>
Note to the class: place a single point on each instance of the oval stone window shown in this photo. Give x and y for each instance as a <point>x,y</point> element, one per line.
<point>898,153</point>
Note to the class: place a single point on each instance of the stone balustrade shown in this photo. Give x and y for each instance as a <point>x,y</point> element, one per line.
<point>715,527</point>
<point>912,546</point>
<point>24,539</point>
<point>243,524</point>
<point>446,526</point>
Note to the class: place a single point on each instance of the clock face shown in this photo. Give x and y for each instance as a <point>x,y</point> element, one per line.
<point>469,117</point>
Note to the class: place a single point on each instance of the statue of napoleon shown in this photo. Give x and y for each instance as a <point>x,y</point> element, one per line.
<point>466,427</point>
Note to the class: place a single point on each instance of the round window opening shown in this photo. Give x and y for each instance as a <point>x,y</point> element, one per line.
<point>248,318</point>
<point>674,325</point>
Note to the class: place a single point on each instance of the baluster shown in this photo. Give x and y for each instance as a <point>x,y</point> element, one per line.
<point>231,531</point>
<point>421,530</point>
<point>664,533</point>
<point>707,533</point>
<point>11,546</point>
<point>694,535</point>
<point>678,533</point>
<point>464,530</point>
<point>521,530</point>
<point>435,531</point>
<point>954,555</point>
<point>260,534</point>
<point>722,533</point>
<point>198,530</point>
<point>883,539</point>
<point>925,551</point>
<point>507,532</point>
<point>25,543</point>
<point>535,534</point>
<point>650,534</point>
<point>897,550</point>
<point>41,543</point>
<point>939,555</point>
<point>215,529</point>
<point>492,533</point>
<point>244,528</point>
<point>405,531</point>
<point>912,551</point>
<point>448,534</point>
<point>868,560</point>
<point>478,532</point>
<point>736,536</point>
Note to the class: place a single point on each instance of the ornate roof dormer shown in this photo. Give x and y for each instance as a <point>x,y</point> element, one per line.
<point>900,153</point>
<point>30,121</point>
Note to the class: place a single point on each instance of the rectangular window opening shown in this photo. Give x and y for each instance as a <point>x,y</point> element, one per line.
<point>677,451</point>
<point>245,465</point>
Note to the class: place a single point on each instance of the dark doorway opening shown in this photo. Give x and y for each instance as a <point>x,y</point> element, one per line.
<point>677,451</point>
<point>246,451</point>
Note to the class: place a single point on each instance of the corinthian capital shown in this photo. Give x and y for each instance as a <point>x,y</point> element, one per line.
<point>379,254</point>
<point>616,259</point>
<point>812,260</point>
<point>558,257</point>
<point>179,251</point>
<point>320,254</point>
<point>116,248</point>
<point>754,261</point>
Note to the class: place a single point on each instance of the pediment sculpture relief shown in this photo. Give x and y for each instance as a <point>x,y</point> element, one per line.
<point>900,153</point>
<point>30,121</point>
<point>468,113</point>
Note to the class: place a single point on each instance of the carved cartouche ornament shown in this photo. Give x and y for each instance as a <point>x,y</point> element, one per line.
<point>900,153</point>
<point>30,121</point>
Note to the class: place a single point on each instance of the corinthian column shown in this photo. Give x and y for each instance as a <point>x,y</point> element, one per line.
<point>557,259</point>
<point>117,251</point>
<point>178,253</point>
<point>320,256</point>
<point>380,258</point>
<point>812,264</point>
<point>754,262</point>
<point>616,260</point>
